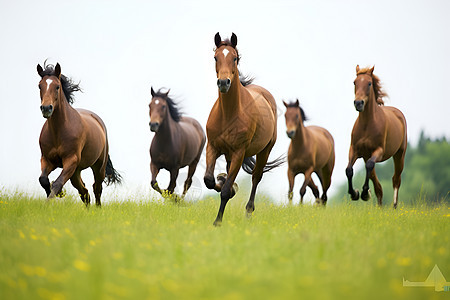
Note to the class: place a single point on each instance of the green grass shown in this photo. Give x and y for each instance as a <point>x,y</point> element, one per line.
<point>145,249</point>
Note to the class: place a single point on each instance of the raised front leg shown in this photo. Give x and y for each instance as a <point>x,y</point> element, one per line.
<point>349,172</point>
<point>69,166</point>
<point>154,170</point>
<point>370,165</point>
<point>226,192</point>
<point>211,157</point>
<point>46,169</point>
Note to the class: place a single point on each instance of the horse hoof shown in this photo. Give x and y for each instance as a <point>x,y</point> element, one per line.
<point>365,195</point>
<point>217,223</point>
<point>355,196</point>
<point>248,214</point>
<point>222,177</point>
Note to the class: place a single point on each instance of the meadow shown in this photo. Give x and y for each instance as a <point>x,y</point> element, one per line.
<point>154,249</point>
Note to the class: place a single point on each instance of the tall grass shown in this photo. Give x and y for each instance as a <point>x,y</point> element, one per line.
<point>153,249</point>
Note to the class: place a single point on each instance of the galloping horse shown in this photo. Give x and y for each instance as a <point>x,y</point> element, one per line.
<point>178,141</point>
<point>311,150</point>
<point>71,139</point>
<point>242,123</point>
<point>378,134</point>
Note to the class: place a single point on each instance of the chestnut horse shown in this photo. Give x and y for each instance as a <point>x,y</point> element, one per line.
<point>242,123</point>
<point>378,134</point>
<point>71,139</point>
<point>178,141</point>
<point>311,150</point>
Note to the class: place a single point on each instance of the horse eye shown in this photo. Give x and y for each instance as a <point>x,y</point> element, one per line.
<point>164,106</point>
<point>235,59</point>
<point>215,58</point>
<point>57,87</point>
<point>370,83</point>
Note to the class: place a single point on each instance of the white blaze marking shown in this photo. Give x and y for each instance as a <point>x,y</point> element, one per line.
<point>49,81</point>
<point>156,102</point>
<point>225,52</point>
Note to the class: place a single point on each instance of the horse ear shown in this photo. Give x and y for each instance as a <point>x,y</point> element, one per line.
<point>233,40</point>
<point>167,93</point>
<point>153,92</point>
<point>357,69</point>
<point>285,104</point>
<point>58,70</point>
<point>217,39</point>
<point>297,103</point>
<point>40,70</point>
<point>371,70</point>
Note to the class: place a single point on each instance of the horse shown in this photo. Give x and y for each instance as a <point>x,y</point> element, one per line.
<point>178,141</point>
<point>242,123</point>
<point>71,139</point>
<point>379,133</point>
<point>311,150</point>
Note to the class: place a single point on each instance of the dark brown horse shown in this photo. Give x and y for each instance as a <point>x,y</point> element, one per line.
<point>311,150</point>
<point>178,141</point>
<point>242,123</point>
<point>378,134</point>
<point>71,139</point>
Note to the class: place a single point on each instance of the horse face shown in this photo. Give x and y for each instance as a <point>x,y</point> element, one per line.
<point>50,89</point>
<point>293,116</point>
<point>158,108</point>
<point>226,58</point>
<point>363,88</point>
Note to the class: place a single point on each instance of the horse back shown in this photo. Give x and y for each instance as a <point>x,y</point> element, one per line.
<point>396,136</point>
<point>323,142</point>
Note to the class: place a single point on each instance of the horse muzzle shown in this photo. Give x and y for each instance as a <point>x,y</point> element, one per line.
<point>47,111</point>
<point>154,127</point>
<point>290,133</point>
<point>224,85</point>
<point>359,105</point>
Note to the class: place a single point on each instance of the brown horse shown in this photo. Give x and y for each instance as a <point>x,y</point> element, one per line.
<point>242,123</point>
<point>378,134</point>
<point>71,139</point>
<point>178,141</point>
<point>311,150</point>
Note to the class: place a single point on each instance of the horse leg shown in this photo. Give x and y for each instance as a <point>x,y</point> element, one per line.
<point>291,177</point>
<point>306,183</point>
<point>399,159</point>
<point>69,166</point>
<point>154,170</point>
<point>78,183</point>
<point>99,177</point>
<point>173,180</point>
<point>349,172</point>
<point>46,169</point>
<point>325,179</point>
<point>370,165</point>
<point>261,161</point>
<point>188,182</point>
<point>377,187</point>
<point>226,191</point>
<point>211,157</point>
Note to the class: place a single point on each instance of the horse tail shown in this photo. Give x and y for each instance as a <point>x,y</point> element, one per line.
<point>249,164</point>
<point>112,176</point>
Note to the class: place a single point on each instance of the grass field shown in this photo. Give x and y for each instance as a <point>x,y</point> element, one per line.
<point>144,249</point>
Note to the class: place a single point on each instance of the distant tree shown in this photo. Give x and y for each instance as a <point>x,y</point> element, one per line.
<point>426,174</point>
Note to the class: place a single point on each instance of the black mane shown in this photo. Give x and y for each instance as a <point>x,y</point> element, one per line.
<point>302,112</point>
<point>68,86</point>
<point>174,110</point>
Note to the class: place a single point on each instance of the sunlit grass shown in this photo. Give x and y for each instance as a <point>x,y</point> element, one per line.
<point>155,249</point>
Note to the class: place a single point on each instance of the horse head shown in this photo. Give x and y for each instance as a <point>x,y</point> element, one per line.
<point>363,87</point>
<point>50,90</point>
<point>227,58</point>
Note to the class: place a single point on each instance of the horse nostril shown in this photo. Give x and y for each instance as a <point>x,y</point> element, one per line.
<point>228,81</point>
<point>218,82</point>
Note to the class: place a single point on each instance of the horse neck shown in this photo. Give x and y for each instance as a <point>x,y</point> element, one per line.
<point>230,102</point>
<point>63,115</point>
<point>167,130</point>
<point>300,137</point>
<point>370,111</point>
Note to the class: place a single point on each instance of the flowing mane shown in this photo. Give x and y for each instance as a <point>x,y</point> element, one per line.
<point>302,112</point>
<point>68,86</point>
<point>174,110</point>
<point>378,89</point>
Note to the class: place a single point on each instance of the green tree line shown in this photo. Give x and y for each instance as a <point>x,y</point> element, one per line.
<point>425,177</point>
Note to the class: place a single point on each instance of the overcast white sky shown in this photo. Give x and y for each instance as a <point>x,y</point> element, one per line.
<point>304,49</point>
